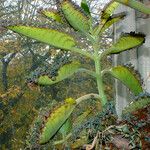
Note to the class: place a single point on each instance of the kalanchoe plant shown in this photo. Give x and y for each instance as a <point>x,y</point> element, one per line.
<point>80,21</point>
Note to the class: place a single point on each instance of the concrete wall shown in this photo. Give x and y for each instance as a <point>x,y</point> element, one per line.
<point>143,25</point>
<point>140,57</point>
<point>127,25</point>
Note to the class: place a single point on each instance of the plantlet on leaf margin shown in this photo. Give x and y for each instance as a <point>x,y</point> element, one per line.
<point>82,22</point>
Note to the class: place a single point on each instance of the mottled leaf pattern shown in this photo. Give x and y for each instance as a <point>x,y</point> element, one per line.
<point>127,78</point>
<point>56,120</point>
<point>52,14</point>
<point>77,19</point>
<point>49,36</point>
<point>125,42</point>
<point>109,9</point>
<point>106,16</point>
<point>111,20</point>
<point>64,72</point>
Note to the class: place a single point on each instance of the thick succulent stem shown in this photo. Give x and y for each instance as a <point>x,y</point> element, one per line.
<point>98,72</point>
<point>136,5</point>
<point>100,82</point>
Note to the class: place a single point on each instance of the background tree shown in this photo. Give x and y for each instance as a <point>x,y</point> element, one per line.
<point>19,56</point>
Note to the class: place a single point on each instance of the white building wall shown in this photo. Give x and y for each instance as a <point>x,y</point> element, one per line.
<point>140,57</point>
<point>143,25</point>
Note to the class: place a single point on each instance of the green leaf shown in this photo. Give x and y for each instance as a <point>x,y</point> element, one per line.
<point>52,14</point>
<point>113,19</point>
<point>105,16</point>
<point>127,77</point>
<point>125,42</point>
<point>85,7</point>
<point>79,120</point>
<point>109,9</point>
<point>66,127</point>
<point>63,73</point>
<point>49,36</point>
<point>78,143</point>
<point>136,105</point>
<point>77,19</point>
<point>56,119</point>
